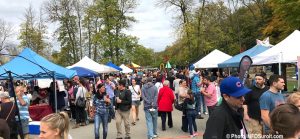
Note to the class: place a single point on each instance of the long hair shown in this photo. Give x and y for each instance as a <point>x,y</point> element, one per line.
<point>98,94</point>
<point>58,121</point>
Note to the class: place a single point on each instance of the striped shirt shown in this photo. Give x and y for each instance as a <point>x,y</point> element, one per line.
<point>24,113</point>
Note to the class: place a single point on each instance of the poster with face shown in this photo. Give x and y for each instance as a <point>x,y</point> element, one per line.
<point>244,67</point>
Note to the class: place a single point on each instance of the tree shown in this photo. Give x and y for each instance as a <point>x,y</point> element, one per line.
<point>64,12</point>
<point>105,20</point>
<point>185,8</point>
<point>6,33</point>
<point>33,31</point>
<point>288,10</point>
<point>283,19</point>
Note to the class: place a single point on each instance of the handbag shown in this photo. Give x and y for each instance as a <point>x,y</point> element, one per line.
<point>141,99</point>
<point>177,105</point>
<point>80,101</point>
<point>12,107</point>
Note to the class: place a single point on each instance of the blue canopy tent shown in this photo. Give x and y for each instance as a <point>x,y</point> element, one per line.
<point>235,60</point>
<point>110,64</point>
<point>30,65</point>
<point>84,72</point>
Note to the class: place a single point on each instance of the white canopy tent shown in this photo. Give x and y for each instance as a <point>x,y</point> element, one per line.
<point>212,59</point>
<point>125,69</point>
<point>284,52</point>
<point>88,63</point>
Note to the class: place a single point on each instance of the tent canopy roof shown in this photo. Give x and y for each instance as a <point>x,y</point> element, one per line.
<point>135,65</point>
<point>285,51</point>
<point>110,64</point>
<point>212,59</point>
<point>29,65</point>
<point>168,65</point>
<point>125,69</point>
<point>84,72</point>
<point>235,60</point>
<point>92,65</point>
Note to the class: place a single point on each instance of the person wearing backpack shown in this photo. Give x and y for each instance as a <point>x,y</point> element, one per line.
<point>191,113</point>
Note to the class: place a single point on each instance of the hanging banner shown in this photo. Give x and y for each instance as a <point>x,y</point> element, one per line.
<point>244,67</point>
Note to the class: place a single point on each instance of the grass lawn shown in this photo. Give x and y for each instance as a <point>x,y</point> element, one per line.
<point>291,84</point>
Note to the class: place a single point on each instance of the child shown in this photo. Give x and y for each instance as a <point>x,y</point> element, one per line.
<point>191,113</point>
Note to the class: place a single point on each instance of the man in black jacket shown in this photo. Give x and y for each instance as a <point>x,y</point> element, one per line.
<point>251,106</point>
<point>123,105</point>
<point>226,121</point>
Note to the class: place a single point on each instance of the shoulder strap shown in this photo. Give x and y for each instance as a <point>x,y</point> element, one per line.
<point>134,90</point>
<point>82,91</point>
<point>10,111</point>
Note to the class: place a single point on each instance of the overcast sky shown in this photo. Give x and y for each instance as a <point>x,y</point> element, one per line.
<point>154,26</point>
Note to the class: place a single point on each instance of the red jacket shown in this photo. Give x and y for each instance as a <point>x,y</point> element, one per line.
<point>165,99</point>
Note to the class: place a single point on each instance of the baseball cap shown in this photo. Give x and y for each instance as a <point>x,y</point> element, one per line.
<point>4,94</point>
<point>233,86</point>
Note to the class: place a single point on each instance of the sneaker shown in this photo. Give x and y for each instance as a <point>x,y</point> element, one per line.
<point>133,123</point>
<point>199,117</point>
<point>76,126</point>
<point>191,136</point>
<point>155,136</point>
<point>205,113</point>
<point>195,134</point>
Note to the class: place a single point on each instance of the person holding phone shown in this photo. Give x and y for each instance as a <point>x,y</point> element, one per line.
<point>101,102</point>
<point>123,105</point>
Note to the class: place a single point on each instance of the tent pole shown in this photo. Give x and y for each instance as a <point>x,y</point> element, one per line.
<point>279,66</point>
<point>55,93</point>
<point>15,98</point>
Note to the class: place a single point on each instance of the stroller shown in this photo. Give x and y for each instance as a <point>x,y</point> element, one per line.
<point>89,110</point>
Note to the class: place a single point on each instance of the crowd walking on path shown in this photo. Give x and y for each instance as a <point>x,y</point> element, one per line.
<point>233,108</point>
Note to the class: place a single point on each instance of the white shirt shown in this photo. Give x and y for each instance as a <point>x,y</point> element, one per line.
<point>158,85</point>
<point>135,92</point>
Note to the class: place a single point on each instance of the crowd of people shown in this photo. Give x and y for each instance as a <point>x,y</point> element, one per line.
<point>234,110</point>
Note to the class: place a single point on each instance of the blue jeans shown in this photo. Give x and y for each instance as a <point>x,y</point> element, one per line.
<point>191,117</point>
<point>200,101</point>
<point>101,118</point>
<point>151,120</point>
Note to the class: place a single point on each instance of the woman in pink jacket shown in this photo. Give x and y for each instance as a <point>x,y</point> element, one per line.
<point>165,102</point>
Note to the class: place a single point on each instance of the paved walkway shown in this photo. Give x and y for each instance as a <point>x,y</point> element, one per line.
<point>139,131</point>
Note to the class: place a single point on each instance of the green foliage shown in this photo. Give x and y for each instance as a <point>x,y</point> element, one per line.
<point>102,28</point>
<point>217,25</point>
<point>288,10</point>
<point>96,29</point>
<point>32,33</point>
